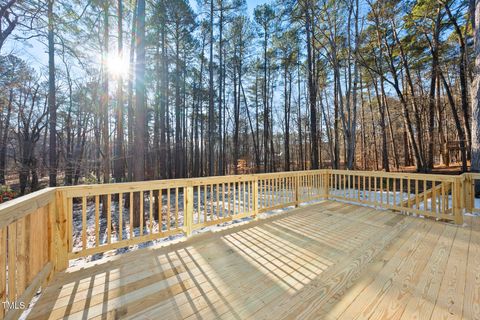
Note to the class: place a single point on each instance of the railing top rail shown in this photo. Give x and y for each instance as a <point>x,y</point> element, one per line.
<point>398,175</point>
<point>108,188</point>
<point>474,175</point>
<point>18,208</point>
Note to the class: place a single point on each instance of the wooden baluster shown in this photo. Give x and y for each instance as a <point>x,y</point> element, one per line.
<point>309,186</point>
<point>254,194</point>
<point>425,201</point>
<point>409,192</point>
<point>168,209</point>
<point>349,187</point>
<point>381,191</point>
<point>394,192</point>
<point>265,192</point>
<point>120,216</point>
<point>234,199</point>
<point>228,197</point>
<point>417,198</point>
<point>332,183</point>
<point>205,203</point>
<point>176,205</point>
<point>69,212</point>
<point>249,195</point>
<point>212,213</point>
<point>3,269</point>
<point>471,187</point>
<point>223,200</point>
<point>294,188</point>
<point>359,187</point>
<point>271,193</point>
<point>142,212</point>
<point>388,192</point>
<point>84,223</point>
<point>151,211</point>
<point>131,215</point>
<point>401,191</point>
<point>160,210</point>
<point>242,203</point>
<point>217,208</point>
<point>444,203</point>
<point>364,188</point>
<point>97,218</point>
<point>433,207</point>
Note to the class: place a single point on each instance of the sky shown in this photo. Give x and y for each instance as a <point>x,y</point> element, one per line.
<point>35,52</point>
<point>251,4</point>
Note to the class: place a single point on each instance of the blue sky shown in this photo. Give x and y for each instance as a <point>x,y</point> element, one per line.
<point>35,52</point>
<point>251,4</point>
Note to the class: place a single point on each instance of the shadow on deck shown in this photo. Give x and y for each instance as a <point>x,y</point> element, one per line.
<point>327,261</point>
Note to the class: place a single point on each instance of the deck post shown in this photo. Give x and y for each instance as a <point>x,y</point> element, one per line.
<point>457,195</point>
<point>297,190</point>
<point>255,198</point>
<point>188,210</point>
<point>468,192</point>
<point>326,182</point>
<point>60,232</point>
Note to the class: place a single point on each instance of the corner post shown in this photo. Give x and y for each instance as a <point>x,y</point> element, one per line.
<point>60,232</point>
<point>188,210</point>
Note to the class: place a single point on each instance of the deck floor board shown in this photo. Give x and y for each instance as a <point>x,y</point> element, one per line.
<point>325,261</point>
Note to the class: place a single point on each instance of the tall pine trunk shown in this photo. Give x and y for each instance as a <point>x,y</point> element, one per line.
<point>119,162</point>
<point>52,106</point>
<point>140,119</point>
<point>475,164</point>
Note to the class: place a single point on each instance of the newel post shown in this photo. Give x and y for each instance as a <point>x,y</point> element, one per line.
<point>59,214</point>
<point>188,222</point>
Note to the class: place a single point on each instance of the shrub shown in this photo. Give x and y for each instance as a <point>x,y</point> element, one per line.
<point>6,193</point>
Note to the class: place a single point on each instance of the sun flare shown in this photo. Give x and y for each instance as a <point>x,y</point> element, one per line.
<point>117,65</point>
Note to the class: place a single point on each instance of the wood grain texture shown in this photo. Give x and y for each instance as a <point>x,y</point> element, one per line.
<point>326,261</point>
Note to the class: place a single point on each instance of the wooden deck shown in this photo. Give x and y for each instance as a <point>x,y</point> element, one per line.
<point>327,261</point>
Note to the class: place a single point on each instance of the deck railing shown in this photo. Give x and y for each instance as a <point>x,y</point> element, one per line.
<point>41,232</point>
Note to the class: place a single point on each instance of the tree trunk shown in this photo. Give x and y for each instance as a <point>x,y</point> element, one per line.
<point>312,94</point>
<point>475,164</point>
<point>211,111</point>
<point>119,164</point>
<point>4,137</point>
<point>104,99</point>
<point>130,111</point>
<point>140,119</point>
<point>52,106</point>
